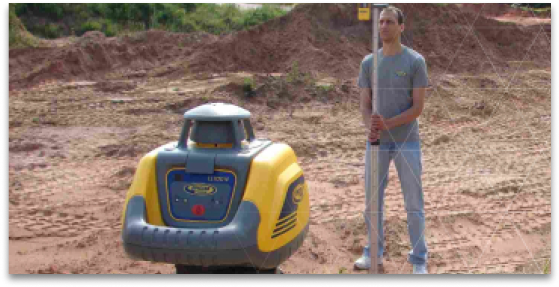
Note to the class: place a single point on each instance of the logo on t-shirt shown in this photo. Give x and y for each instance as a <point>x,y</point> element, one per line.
<point>401,73</point>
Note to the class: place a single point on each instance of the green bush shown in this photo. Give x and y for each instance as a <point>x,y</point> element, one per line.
<point>97,9</point>
<point>106,26</point>
<point>90,26</point>
<point>122,17</point>
<point>226,18</point>
<point>19,8</point>
<point>532,5</point>
<point>171,17</point>
<point>52,31</point>
<point>248,84</point>
<point>185,25</point>
<point>261,15</point>
<point>110,29</point>
<point>188,7</point>
<point>13,33</point>
<point>208,18</point>
<point>18,35</point>
<point>52,11</point>
<point>248,87</point>
<point>325,89</point>
<point>547,267</point>
<point>293,76</point>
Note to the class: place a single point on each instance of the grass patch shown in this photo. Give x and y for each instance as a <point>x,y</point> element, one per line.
<point>295,76</point>
<point>325,88</point>
<point>248,86</point>
<point>52,31</point>
<point>547,267</point>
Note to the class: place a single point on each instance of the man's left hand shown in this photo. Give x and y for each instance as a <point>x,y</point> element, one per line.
<point>378,122</point>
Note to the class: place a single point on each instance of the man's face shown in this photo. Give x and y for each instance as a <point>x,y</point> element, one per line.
<point>388,25</point>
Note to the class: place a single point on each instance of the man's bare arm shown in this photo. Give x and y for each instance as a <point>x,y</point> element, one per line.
<point>411,114</point>
<point>366,106</point>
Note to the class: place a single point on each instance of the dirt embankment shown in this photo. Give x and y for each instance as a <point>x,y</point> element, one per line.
<point>320,37</point>
<point>502,10</point>
<point>329,38</point>
<point>93,56</point>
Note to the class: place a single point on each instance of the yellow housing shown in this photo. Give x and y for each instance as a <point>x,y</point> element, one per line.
<point>271,173</point>
<point>145,185</point>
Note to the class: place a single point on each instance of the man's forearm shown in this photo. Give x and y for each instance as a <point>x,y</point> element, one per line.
<point>366,114</point>
<point>403,118</point>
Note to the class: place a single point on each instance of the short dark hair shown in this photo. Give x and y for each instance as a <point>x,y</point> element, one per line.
<point>396,11</point>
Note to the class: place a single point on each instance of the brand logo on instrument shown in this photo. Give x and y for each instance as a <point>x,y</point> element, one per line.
<point>298,193</point>
<point>200,189</point>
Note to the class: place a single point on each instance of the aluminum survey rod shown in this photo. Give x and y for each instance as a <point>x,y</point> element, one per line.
<point>372,183</point>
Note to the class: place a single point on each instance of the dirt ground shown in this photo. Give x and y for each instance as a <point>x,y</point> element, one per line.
<point>85,110</point>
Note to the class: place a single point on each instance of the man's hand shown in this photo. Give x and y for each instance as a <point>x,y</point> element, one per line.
<point>374,135</point>
<point>378,124</point>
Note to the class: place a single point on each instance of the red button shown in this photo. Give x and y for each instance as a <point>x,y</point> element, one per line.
<point>198,210</point>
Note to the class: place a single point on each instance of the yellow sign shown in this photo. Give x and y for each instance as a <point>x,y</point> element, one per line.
<point>200,189</point>
<point>364,12</point>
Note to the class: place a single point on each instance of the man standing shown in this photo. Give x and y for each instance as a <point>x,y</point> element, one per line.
<point>401,93</point>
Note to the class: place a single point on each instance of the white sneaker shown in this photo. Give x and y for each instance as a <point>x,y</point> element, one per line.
<point>364,262</point>
<point>420,269</point>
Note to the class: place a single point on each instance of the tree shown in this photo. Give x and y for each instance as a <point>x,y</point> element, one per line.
<point>142,11</point>
<point>532,5</point>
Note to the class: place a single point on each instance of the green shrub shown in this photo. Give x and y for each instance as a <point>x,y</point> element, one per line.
<point>261,15</point>
<point>248,84</point>
<point>90,26</point>
<point>185,25</point>
<point>53,11</point>
<point>52,31</point>
<point>98,9</point>
<point>19,8</point>
<point>110,29</point>
<point>18,35</point>
<point>170,17</point>
<point>294,75</point>
<point>188,7</point>
<point>547,267</point>
<point>532,5</point>
<point>123,17</point>
<point>325,88</point>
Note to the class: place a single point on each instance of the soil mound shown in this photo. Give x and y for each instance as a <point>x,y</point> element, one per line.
<point>93,55</point>
<point>328,38</point>
<point>323,38</point>
<point>501,9</point>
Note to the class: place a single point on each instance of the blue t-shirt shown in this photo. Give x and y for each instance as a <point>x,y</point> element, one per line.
<point>398,75</point>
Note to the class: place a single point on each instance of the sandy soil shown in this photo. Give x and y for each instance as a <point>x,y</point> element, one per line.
<point>486,135</point>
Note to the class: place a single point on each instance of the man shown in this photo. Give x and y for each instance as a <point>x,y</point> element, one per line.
<point>401,93</point>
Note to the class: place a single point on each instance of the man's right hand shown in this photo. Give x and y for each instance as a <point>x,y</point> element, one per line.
<point>376,126</point>
<point>374,134</point>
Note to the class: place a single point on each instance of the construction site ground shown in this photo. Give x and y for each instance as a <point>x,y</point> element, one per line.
<point>83,111</point>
